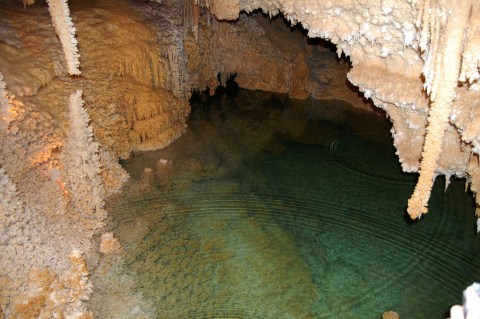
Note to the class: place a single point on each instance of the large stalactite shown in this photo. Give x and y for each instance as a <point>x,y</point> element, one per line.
<point>446,25</point>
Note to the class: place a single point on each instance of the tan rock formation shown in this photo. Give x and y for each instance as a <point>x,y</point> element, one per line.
<point>284,61</point>
<point>390,315</point>
<point>109,244</point>
<point>53,296</point>
<point>123,76</point>
<point>278,64</point>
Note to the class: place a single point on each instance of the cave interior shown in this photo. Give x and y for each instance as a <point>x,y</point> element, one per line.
<point>238,159</point>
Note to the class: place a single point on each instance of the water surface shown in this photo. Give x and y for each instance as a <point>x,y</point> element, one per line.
<point>270,208</point>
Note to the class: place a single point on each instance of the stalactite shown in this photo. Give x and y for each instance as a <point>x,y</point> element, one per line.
<point>187,14</point>
<point>446,23</point>
<point>224,78</point>
<point>65,30</point>
<point>191,16</point>
<point>473,182</point>
<point>471,57</point>
<point>196,19</point>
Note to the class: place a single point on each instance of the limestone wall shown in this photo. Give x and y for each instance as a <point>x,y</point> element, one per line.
<point>266,54</point>
<point>58,156</point>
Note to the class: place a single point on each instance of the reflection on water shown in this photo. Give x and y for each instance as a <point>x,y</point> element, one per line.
<point>270,208</point>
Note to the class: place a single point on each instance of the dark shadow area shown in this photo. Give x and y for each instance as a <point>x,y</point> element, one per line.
<point>360,95</point>
<point>223,97</point>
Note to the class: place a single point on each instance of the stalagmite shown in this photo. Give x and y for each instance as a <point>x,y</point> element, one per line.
<point>446,24</point>
<point>81,164</point>
<point>66,33</point>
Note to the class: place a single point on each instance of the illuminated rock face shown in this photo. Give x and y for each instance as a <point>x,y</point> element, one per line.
<point>137,62</point>
<point>59,163</point>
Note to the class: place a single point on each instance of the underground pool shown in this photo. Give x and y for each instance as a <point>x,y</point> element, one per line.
<point>274,208</point>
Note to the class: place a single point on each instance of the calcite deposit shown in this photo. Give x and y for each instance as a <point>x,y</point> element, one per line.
<point>84,83</point>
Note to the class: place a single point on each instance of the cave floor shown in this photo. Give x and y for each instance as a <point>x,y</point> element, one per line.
<point>271,208</point>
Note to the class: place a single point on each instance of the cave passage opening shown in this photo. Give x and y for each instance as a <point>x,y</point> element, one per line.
<point>224,93</point>
<point>272,207</point>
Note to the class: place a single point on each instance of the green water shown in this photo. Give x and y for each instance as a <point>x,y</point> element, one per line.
<point>270,208</point>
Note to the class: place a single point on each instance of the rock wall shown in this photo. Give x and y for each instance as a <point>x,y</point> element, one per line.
<point>266,54</point>
<point>60,149</point>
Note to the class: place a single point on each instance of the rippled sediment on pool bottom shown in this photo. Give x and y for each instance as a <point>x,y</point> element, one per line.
<point>272,213</point>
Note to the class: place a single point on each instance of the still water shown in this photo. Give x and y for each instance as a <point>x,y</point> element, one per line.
<point>272,208</point>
